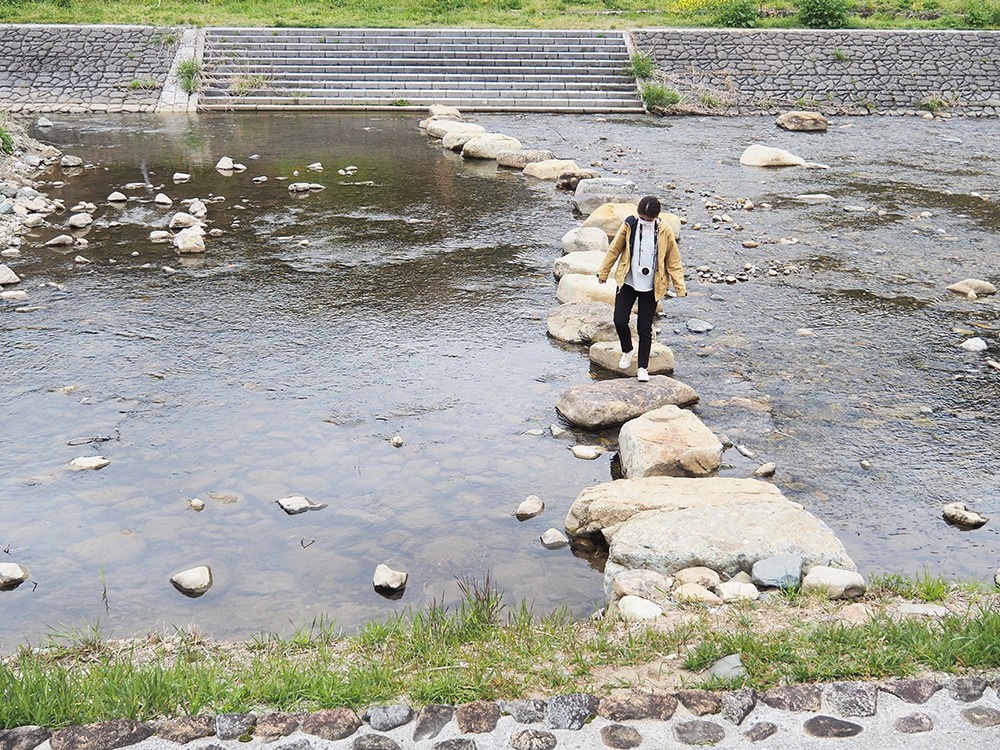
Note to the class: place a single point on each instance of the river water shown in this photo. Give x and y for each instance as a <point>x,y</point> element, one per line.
<point>410,299</point>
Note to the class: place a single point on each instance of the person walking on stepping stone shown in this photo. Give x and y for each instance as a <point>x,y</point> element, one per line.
<point>648,259</point>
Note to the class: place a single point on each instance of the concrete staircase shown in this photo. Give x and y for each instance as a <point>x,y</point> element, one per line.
<point>472,69</point>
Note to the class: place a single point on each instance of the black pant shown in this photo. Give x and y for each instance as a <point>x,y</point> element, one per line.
<point>624,300</point>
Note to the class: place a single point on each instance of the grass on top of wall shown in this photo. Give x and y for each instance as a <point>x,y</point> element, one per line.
<point>597,14</point>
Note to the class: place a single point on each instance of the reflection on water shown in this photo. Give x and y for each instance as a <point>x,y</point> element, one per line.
<point>409,299</point>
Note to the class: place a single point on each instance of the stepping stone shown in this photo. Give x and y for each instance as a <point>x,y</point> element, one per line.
<point>699,733</point>
<point>614,402</point>
<point>828,726</point>
<point>913,724</point>
<point>570,711</point>
<point>431,720</point>
<point>620,737</point>
<point>532,739</point>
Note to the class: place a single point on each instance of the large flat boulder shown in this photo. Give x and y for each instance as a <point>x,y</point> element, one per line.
<point>487,145</point>
<point>668,441</point>
<point>609,217</point>
<point>550,169</point>
<point>585,239</point>
<point>613,402</point>
<point>586,263</point>
<point>768,156</point>
<point>522,158</point>
<point>584,323</point>
<point>584,287</point>
<point>438,128</point>
<point>607,353</point>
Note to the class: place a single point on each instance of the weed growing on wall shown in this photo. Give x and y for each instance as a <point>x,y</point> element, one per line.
<point>640,66</point>
<point>824,14</point>
<point>738,14</point>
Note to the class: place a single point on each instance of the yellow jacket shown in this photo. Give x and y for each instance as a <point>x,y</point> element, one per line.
<point>668,260</point>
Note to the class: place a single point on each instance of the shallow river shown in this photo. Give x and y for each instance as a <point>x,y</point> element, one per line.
<point>272,367</point>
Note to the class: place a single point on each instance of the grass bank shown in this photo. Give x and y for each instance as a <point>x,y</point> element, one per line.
<point>485,650</point>
<point>597,14</point>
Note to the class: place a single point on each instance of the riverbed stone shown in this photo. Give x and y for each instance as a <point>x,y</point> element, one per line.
<point>23,738</point>
<point>583,323</point>
<point>700,702</point>
<point>81,220</point>
<point>757,155</point>
<point>84,463</point>
<point>554,539</point>
<point>975,344</point>
<point>487,145</point>
<point>736,591</point>
<point>959,514</point>
<point>699,732</point>
<point>585,239</point>
<point>977,286</point>
<point>636,609</point>
<point>620,737</point>
<point>275,724</point>
<point>646,584</point>
<point>983,717</point>
<point>761,731</point>
<point>584,287</point>
<point>193,582</point>
<point>530,507</point>
<point>331,724</point>
<point>431,720</point>
<point>612,402</point>
<point>439,128</point>
<point>389,579</point>
<point>809,122</point>
<point>61,240</point>
<point>477,717</point>
<point>524,710</point>
<point>914,723</point>
<point>550,169</point>
<point>455,139</point>
<point>295,504</point>
<point>607,353</point>
<point>570,711</point>
<point>778,571</point>
<point>183,220</point>
<point>967,689</point>
<point>184,729</point>
<point>387,718</point>
<point>609,216</point>
<point>7,276</point>
<point>737,705</point>
<point>834,583</point>
<point>851,698</point>
<point>635,706</point>
<point>533,739</point>
<point>668,441</point>
<point>521,158</point>
<point>831,727</point>
<point>69,161</point>
<point>793,697</point>
<point>692,593</point>
<point>104,735</point>
<point>586,263</point>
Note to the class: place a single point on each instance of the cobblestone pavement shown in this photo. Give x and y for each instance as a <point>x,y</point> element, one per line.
<point>912,713</point>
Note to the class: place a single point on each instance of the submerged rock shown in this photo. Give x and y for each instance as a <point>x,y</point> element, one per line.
<point>7,276</point>
<point>296,504</point>
<point>767,156</point>
<point>976,286</point>
<point>88,462</point>
<point>802,121</point>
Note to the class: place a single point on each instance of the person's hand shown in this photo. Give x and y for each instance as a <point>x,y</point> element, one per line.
<point>600,280</point>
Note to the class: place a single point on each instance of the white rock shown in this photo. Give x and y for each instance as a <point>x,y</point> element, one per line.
<point>835,583</point>
<point>455,139</point>
<point>766,469</point>
<point>190,241</point>
<point>14,296</point>
<point>239,167</point>
<point>396,441</point>
<point>767,156</point>
<point>975,344</point>
<point>486,145</point>
<point>530,507</point>
<point>585,239</point>
<point>117,197</point>
<point>586,263</point>
<point>554,539</point>
<point>704,577</point>
<point>609,217</point>
<point>70,161</point>
<point>439,128</point>
<point>295,504</point>
<point>923,610</point>
<point>44,122</point>
<point>668,441</point>
<point>298,187</point>
<point>814,198</point>
<point>315,166</point>
<point>162,200</point>
<point>12,575</point>
<point>636,609</point>
<point>196,504</point>
<point>587,452</point>
<point>731,591</point>
<point>584,287</point>
<point>259,180</point>
<point>225,164</point>
<point>81,242</point>
<point>88,462</point>
<point>79,221</point>
<point>387,578</point>
<point>81,259</point>
<point>193,582</point>
<point>182,219</point>
<point>550,169</point>
<point>181,177</point>
<point>976,286</point>
<point>443,110</point>
<point>645,583</point>
<point>960,515</point>
<point>160,235</point>
<point>692,592</point>
<point>198,209</point>
<point>7,276</point>
<point>33,220</point>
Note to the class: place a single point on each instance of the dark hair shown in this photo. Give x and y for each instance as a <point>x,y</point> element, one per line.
<point>649,206</point>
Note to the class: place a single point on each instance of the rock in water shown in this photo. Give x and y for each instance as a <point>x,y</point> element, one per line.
<point>802,121</point>
<point>977,286</point>
<point>766,156</point>
<point>668,441</point>
<point>190,241</point>
<point>162,200</point>
<point>554,539</point>
<point>79,221</point>
<point>612,402</point>
<point>487,145</point>
<point>12,575</point>
<point>193,582</point>
<point>585,239</point>
<point>530,507</point>
<point>225,164</point>
<point>550,169</point>
<point>117,197</point>
<point>296,504</point>
<point>88,462</point>
<point>959,514</point>
<point>7,276</point>
<point>388,579</point>
<point>975,344</point>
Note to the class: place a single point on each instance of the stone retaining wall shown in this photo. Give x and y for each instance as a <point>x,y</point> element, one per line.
<point>858,72</point>
<point>84,68</point>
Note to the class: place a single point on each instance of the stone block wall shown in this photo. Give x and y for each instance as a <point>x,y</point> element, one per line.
<point>84,68</point>
<point>859,71</point>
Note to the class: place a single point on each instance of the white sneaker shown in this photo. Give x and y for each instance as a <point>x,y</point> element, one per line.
<point>642,375</point>
<point>626,360</point>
